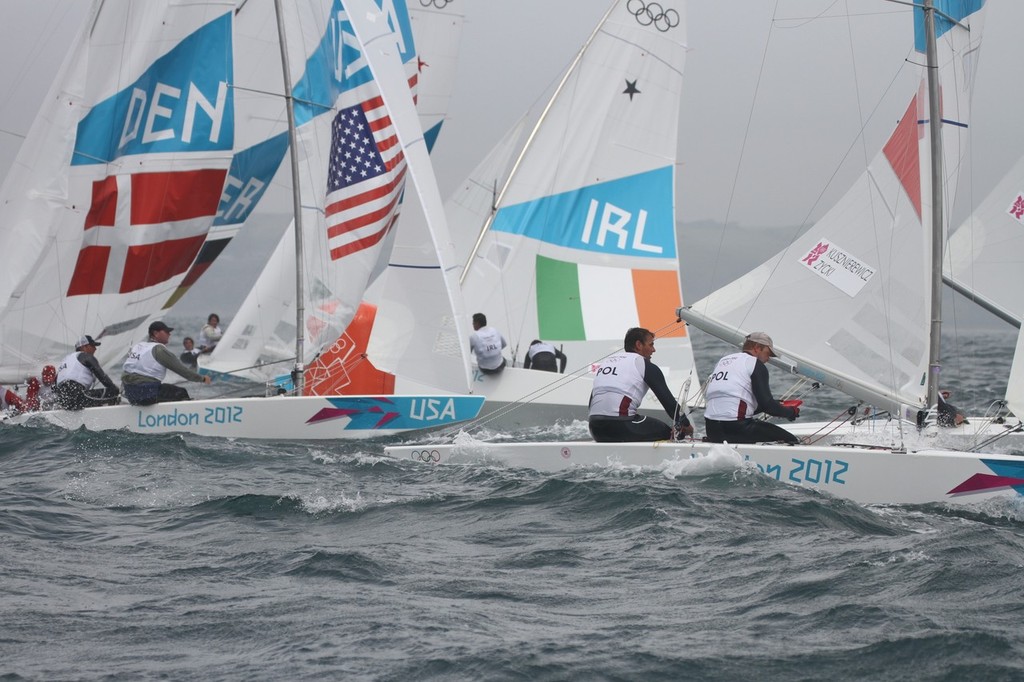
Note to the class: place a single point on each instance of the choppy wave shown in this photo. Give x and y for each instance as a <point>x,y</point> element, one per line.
<point>128,556</point>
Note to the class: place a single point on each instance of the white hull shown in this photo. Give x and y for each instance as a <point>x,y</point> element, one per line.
<point>865,475</point>
<point>277,418</point>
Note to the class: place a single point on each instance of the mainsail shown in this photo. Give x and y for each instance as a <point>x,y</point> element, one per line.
<point>264,327</point>
<point>119,180</point>
<point>848,302</point>
<point>581,243</point>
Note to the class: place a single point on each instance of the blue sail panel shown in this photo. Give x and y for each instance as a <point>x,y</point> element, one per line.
<point>630,216</point>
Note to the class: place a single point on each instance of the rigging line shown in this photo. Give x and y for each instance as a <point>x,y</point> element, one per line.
<point>258,364</point>
<point>743,148</point>
<point>825,431</point>
<point>482,421</point>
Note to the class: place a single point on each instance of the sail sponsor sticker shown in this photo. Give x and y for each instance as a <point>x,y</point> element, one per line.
<point>1017,208</point>
<point>838,267</point>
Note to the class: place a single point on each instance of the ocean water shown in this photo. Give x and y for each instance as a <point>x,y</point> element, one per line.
<point>128,557</point>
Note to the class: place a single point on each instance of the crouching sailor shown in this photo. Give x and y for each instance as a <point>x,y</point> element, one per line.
<point>622,381</point>
<point>738,389</point>
<point>76,375</point>
<point>147,365</point>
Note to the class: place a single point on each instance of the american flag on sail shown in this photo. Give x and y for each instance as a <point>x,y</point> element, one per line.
<point>145,228</point>
<point>366,175</point>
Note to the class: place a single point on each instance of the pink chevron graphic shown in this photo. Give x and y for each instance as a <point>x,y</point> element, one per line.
<point>980,482</point>
<point>328,413</point>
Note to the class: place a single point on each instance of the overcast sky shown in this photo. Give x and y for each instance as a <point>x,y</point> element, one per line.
<point>784,67</point>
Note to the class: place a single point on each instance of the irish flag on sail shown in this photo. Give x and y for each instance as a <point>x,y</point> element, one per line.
<point>577,301</point>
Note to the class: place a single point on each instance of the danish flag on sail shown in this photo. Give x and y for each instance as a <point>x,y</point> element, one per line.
<point>151,157</point>
<point>145,228</point>
<point>365,177</point>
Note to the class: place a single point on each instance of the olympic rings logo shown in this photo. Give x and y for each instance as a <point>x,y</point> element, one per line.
<point>439,4</point>
<point>652,13</point>
<point>425,455</point>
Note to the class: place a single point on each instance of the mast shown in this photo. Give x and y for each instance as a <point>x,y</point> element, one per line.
<point>299,370</point>
<point>935,131</point>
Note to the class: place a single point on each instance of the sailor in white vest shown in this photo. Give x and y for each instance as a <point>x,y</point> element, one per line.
<point>76,375</point>
<point>545,357</point>
<point>487,342</point>
<point>737,390</point>
<point>147,365</point>
<point>210,334</point>
<point>621,382</point>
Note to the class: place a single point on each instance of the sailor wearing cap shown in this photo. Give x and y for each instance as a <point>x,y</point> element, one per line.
<point>147,365</point>
<point>738,389</point>
<point>76,375</point>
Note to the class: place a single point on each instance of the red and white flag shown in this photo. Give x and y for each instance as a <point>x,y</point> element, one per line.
<point>144,229</point>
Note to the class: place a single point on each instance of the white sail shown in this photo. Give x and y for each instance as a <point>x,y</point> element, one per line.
<point>984,264</point>
<point>119,181</point>
<point>254,331</point>
<point>261,136</point>
<point>582,245</point>
<point>848,301</point>
<point>984,253</point>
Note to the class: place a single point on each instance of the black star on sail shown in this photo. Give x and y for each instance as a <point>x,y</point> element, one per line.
<point>631,89</point>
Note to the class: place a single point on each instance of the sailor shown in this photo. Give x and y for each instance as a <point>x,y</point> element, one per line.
<point>487,342</point>
<point>543,356</point>
<point>737,390</point>
<point>949,414</point>
<point>621,382</point>
<point>147,365</point>
<point>210,334</point>
<point>76,375</point>
<point>189,356</point>
<point>47,397</point>
<point>40,394</point>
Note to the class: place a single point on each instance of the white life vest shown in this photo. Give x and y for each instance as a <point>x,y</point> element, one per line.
<point>70,369</point>
<point>141,361</point>
<point>729,395</point>
<point>619,386</point>
<point>210,335</point>
<point>486,342</point>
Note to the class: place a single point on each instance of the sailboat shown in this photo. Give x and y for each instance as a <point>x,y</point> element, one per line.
<point>137,146</point>
<point>876,474</point>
